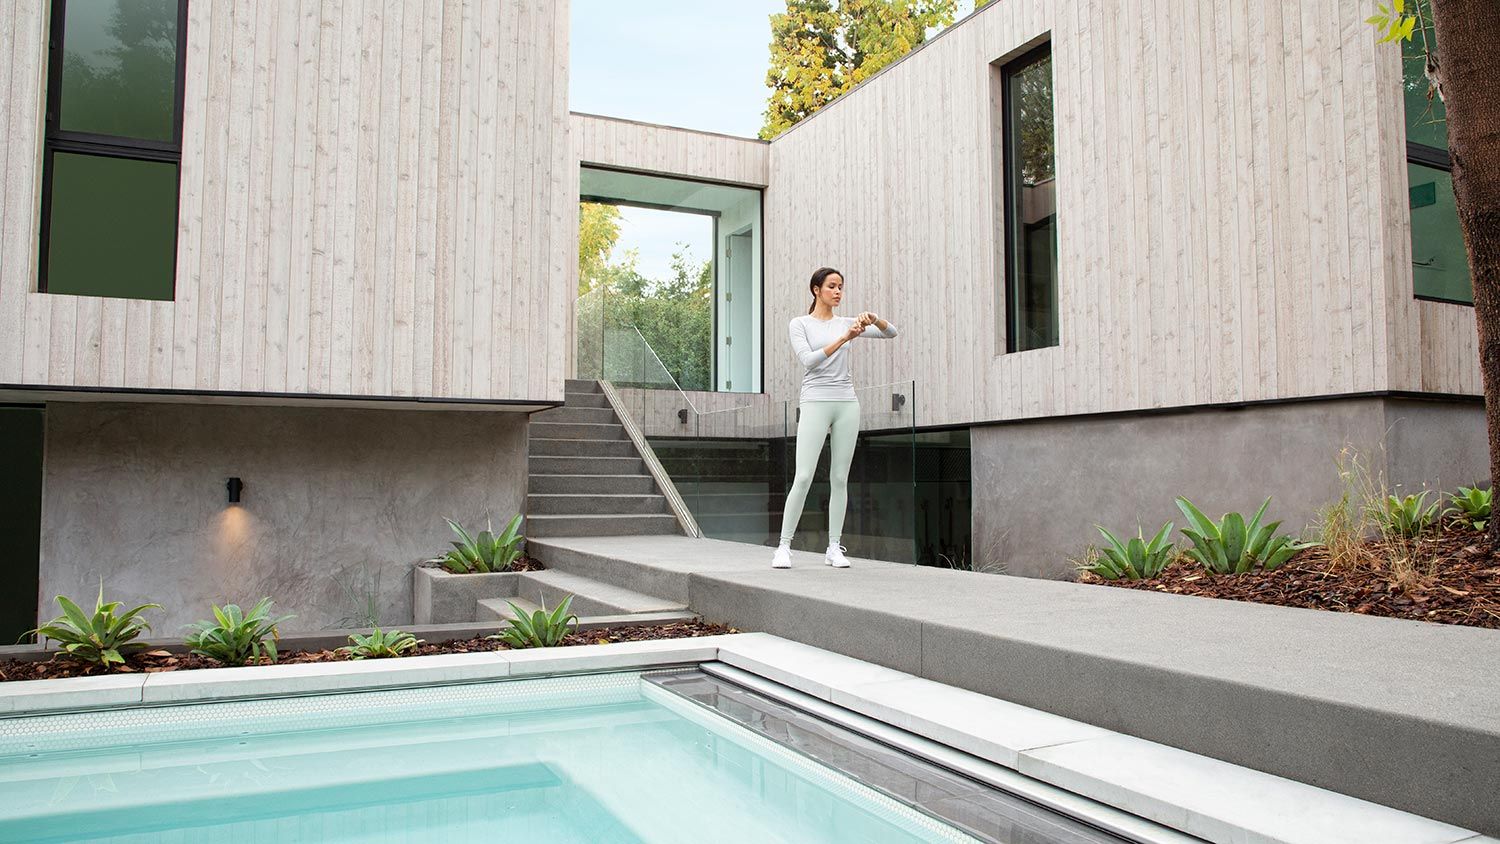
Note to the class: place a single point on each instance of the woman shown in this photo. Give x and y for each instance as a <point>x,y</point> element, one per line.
<point>828,405</point>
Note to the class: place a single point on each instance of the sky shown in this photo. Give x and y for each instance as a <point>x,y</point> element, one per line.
<point>699,64</point>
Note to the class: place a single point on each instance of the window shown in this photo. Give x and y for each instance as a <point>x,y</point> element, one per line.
<point>1440,266</point>
<point>1030,211</point>
<point>114,143</point>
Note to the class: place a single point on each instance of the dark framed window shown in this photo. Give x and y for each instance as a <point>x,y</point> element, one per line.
<point>1029,161</point>
<point>113,148</point>
<point>1440,264</point>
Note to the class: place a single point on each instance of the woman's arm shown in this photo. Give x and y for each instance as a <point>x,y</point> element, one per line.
<point>876,327</point>
<point>809,357</point>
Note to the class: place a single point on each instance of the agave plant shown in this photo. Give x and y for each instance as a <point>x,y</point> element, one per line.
<point>104,638</point>
<point>484,553</point>
<point>381,644</point>
<point>1136,559</point>
<point>1231,546</point>
<point>1472,505</point>
<point>1407,516</point>
<point>236,637</point>
<point>541,629</point>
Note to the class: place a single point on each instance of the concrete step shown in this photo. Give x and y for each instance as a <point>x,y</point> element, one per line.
<point>550,465</point>
<point>591,484</point>
<point>577,385</point>
<point>590,597</point>
<point>586,399</point>
<point>609,524</point>
<point>498,609</point>
<point>545,447</point>
<point>601,415</point>
<point>577,431</point>
<point>593,503</point>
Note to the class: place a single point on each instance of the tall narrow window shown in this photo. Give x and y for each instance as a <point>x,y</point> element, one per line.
<point>114,143</point>
<point>1030,203</point>
<point>1440,265</point>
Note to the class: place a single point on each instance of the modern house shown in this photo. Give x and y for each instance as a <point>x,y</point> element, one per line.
<point>330,251</point>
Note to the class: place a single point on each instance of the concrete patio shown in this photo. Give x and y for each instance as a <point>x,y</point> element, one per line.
<point>1397,712</point>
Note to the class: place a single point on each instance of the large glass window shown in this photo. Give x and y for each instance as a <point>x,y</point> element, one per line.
<point>1440,265</point>
<point>669,282</point>
<point>114,143</point>
<point>1030,203</point>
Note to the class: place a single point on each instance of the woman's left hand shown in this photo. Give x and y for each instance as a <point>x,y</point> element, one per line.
<point>867,318</point>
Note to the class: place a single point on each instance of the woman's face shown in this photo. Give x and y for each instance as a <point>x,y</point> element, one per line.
<point>832,291</point>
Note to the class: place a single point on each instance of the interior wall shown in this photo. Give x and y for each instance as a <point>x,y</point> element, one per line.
<point>135,494</point>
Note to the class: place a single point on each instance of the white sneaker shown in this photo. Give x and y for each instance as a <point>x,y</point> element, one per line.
<point>782,559</point>
<point>834,556</point>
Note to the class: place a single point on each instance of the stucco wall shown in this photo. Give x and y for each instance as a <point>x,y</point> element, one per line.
<point>1040,487</point>
<point>136,494</point>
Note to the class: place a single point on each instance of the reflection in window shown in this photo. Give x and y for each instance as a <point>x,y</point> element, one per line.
<point>109,186</point>
<point>1440,267</point>
<point>1030,203</point>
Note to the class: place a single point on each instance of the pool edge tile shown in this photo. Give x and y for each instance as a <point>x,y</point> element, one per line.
<point>1216,800</point>
<point>25,697</point>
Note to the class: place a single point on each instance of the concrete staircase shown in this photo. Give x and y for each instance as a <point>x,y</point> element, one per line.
<point>586,477</point>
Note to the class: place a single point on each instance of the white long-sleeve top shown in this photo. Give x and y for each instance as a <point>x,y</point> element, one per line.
<point>826,377</point>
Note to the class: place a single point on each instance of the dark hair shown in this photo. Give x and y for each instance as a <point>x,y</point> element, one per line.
<point>818,277</point>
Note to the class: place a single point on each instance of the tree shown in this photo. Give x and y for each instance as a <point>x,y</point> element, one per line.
<point>820,49</point>
<point>598,231</point>
<point>674,314</point>
<point>1462,64</point>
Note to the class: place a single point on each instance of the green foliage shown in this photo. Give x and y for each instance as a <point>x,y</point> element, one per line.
<point>674,315</point>
<point>102,638</point>
<point>820,49</point>
<point>1406,516</point>
<point>484,553</point>
<point>1398,25</point>
<point>598,231</point>
<point>1136,559</point>
<point>1472,505</point>
<point>541,629</point>
<point>236,637</point>
<point>1231,546</point>
<point>381,644</point>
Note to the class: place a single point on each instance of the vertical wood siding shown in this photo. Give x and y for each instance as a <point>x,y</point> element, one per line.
<point>1232,214</point>
<point>375,201</point>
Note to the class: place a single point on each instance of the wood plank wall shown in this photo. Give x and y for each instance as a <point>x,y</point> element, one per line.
<point>652,148</point>
<point>376,201</point>
<point>1232,223</point>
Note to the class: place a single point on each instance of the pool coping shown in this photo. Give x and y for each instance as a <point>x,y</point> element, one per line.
<point>1207,798</point>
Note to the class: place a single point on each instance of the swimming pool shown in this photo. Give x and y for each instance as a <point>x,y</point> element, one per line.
<point>607,759</point>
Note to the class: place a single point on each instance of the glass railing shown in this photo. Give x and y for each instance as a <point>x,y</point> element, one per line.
<point>732,456</point>
<point>881,516</point>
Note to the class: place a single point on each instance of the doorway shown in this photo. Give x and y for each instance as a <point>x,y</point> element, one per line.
<point>22,434</point>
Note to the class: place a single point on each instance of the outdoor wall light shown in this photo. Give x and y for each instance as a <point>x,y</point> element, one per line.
<point>897,400</point>
<point>236,486</point>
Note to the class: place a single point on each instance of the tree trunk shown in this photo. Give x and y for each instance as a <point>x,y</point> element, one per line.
<point>1468,57</point>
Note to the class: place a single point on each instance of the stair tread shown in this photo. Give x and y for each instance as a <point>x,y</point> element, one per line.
<point>628,600</point>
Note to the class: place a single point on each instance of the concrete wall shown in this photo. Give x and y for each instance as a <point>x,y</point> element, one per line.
<point>1040,487</point>
<point>135,494</point>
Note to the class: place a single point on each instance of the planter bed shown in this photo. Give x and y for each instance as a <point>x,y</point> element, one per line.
<point>1454,578</point>
<point>157,660</point>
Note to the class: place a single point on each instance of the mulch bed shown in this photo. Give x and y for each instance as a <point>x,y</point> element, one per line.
<point>522,563</point>
<point>154,661</point>
<point>1456,580</point>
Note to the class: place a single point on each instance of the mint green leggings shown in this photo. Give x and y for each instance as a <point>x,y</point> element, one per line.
<point>818,419</point>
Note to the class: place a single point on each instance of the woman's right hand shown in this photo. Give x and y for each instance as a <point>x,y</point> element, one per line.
<point>855,330</point>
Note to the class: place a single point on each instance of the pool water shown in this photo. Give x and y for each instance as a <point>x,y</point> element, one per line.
<point>605,759</point>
